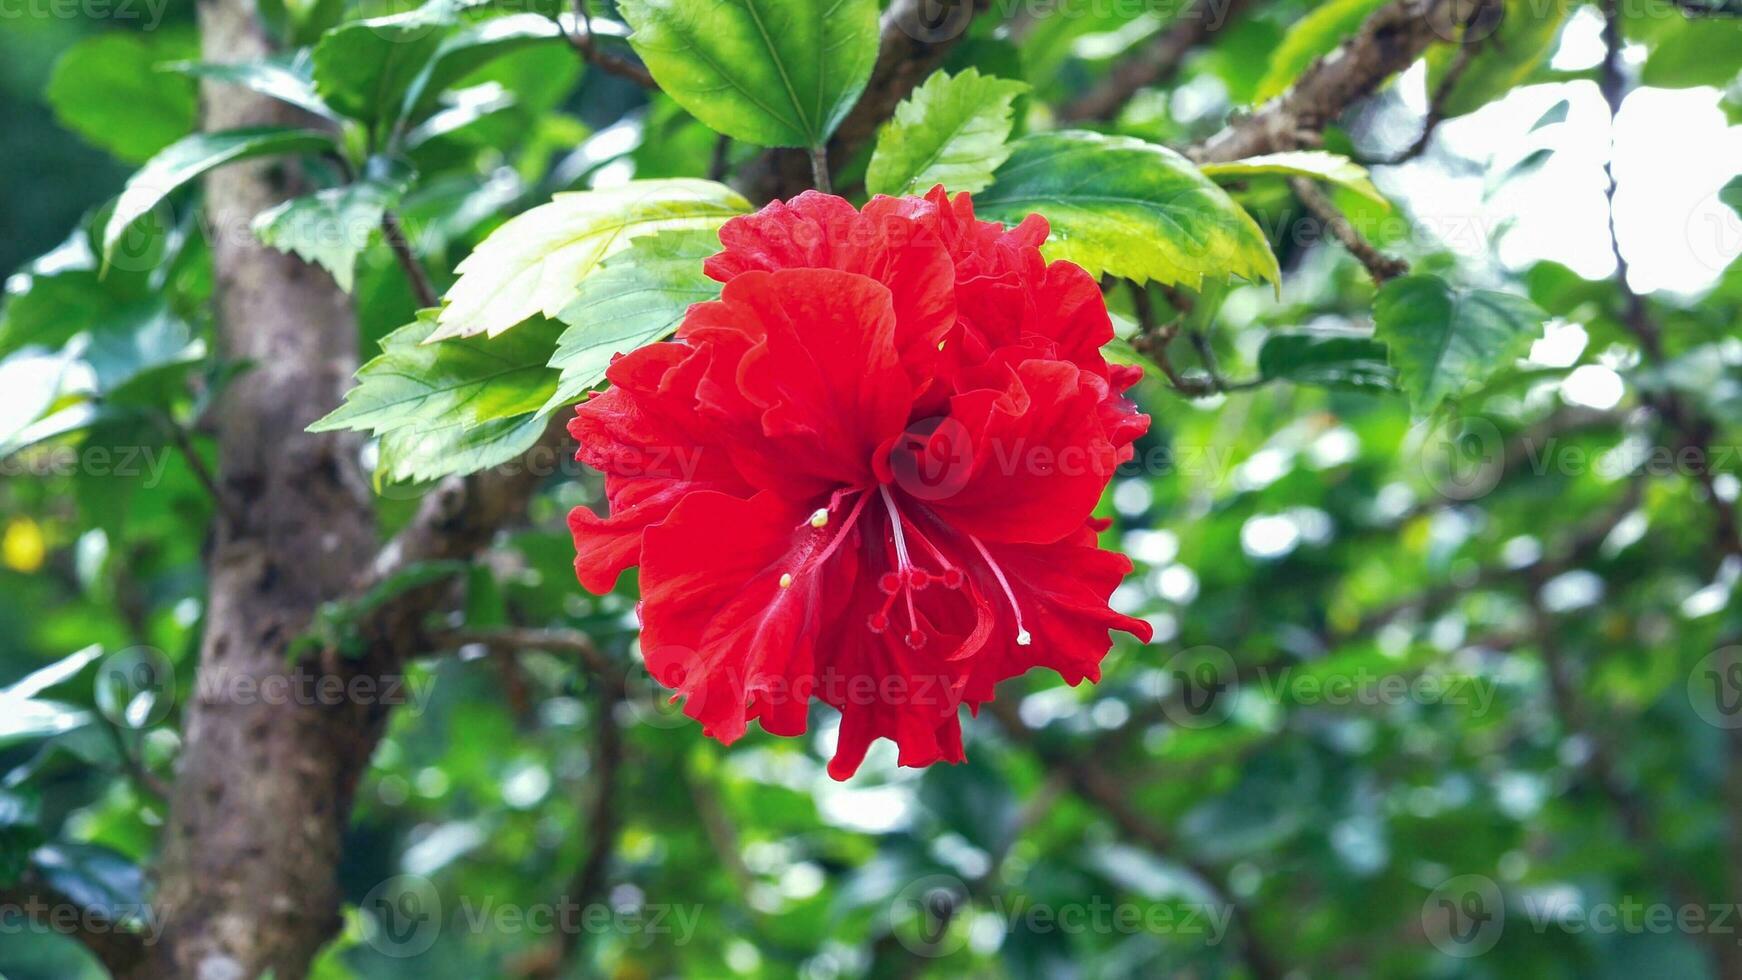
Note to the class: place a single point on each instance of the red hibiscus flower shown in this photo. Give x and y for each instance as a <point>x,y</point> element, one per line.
<point>865,474</point>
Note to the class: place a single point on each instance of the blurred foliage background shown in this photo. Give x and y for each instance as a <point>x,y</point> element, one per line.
<point>1398,661</point>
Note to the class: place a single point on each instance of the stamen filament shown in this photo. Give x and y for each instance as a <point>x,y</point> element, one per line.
<point>1022,635</point>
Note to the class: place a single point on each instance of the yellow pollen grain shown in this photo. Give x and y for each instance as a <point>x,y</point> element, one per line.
<point>820,518</point>
<point>786,580</point>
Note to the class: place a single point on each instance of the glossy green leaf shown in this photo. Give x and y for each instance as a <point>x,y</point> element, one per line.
<point>108,89</point>
<point>365,68</point>
<point>465,382</point>
<point>639,296</point>
<point>950,131</point>
<point>1519,45</point>
<point>535,262</point>
<point>475,46</point>
<point>1315,164</point>
<point>1120,206</point>
<point>289,80</point>
<point>1443,340</point>
<point>330,227</point>
<point>769,72</point>
<point>1327,359</point>
<point>1311,38</point>
<point>194,155</point>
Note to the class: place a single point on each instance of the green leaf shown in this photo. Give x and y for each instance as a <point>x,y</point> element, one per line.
<point>289,80</point>
<point>475,46</point>
<point>769,72</point>
<point>192,156</point>
<point>1444,340</point>
<point>93,877</point>
<point>365,68</point>
<point>534,262</point>
<point>1311,38</point>
<point>639,296</point>
<point>330,227</point>
<point>1523,41</point>
<point>464,382</point>
<point>1702,51</point>
<point>26,719</point>
<point>1327,359</point>
<point>1315,164</point>
<point>950,131</point>
<point>419,454</point>
<point>1127,208</point>
<point>107,89</point>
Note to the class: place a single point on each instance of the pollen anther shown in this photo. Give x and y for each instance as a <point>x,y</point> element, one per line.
<point>786,580</point>
<point>820,518</point>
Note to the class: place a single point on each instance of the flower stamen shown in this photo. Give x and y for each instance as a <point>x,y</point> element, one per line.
<point>1023,638</point>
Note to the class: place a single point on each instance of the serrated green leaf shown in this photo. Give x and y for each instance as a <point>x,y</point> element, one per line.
<point>419,454</point>
<point>330,227</point>
<point>107,89</point>
<point>950,131</point>
<point>192,156</point>
<point>1524,39</point>
<point>535,262</point>
<point>1444,340</point>
<point>1120,206</point>
<point>1311,38</point>
<point>639,297</point>
<point>464,382</point>
<point>1327,359</point>
<point>1315,164</point>
<point>288,79</point>
<point>769,72</point>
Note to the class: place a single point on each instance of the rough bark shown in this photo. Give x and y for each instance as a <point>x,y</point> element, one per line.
<point>247,875</point>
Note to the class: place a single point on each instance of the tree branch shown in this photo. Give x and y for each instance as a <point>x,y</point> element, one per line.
<point>1155,63</point>
<point>586,45</point>
<point>1386,44</point>
<point>1381,267</point>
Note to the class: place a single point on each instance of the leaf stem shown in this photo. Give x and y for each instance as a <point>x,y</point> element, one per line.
<point>820,169</point>
<point>414,270</point>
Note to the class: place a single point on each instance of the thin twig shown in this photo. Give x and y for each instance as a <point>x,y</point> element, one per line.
<point>1380,266</point>
<point>197,465</point>
<point>1436,110</point>
<point>586,45</point>
<point>415,273</point>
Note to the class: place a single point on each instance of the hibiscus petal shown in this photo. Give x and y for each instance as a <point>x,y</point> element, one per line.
<point>1040,456</point>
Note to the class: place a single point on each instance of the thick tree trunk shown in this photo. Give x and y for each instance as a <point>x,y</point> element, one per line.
<point>246,881</point>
